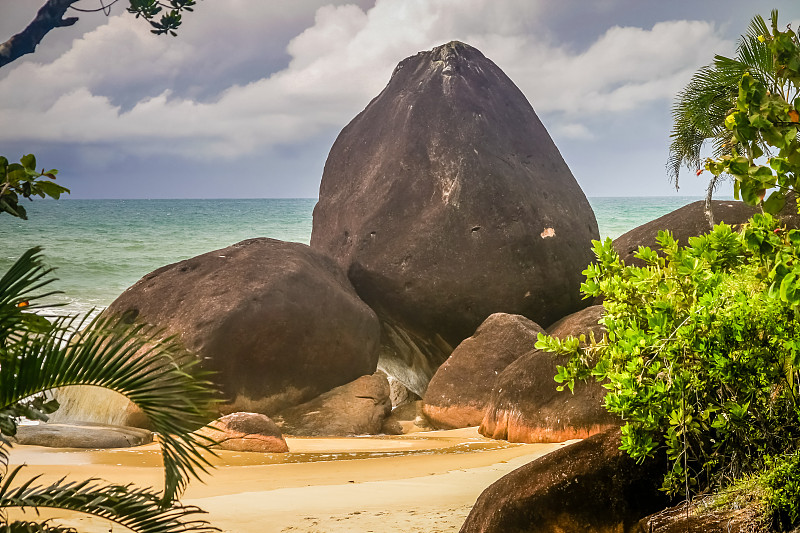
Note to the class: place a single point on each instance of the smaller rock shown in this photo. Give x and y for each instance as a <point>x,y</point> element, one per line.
<point>690,221</point>
<point>401,419</point>
<point>246,432</point>
<point>357,408</point>
<point>526,405</point>
<point>408,411</point>
<point>584,322</point>
<point>97,436</point>
<point>400,394</point>
<point>460,390</point>
<point>392,426</point>
<point>588,487</point>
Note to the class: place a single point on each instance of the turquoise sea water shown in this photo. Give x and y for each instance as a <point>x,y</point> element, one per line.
<point>101,247</point>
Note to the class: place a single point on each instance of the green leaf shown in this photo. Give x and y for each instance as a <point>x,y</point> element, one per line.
<point>760,122</point>
<point>787,290</point>
<point>53,190</point>
<point>752,193</point>
<point>775,203</point>
<point>739,166</point>
<point>29,161</point>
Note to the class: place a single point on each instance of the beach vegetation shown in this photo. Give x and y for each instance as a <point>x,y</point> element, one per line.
<point>701,107</point>
<point>22,180</point>
<point>39,353</point>
<point>701,356</point>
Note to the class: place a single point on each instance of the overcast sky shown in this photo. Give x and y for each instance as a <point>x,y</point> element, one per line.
<point>247,100</point>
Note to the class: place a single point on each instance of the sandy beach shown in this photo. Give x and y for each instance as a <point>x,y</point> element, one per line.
<point>419,482</point>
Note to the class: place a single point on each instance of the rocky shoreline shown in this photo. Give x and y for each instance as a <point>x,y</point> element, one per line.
<point>449,233</point>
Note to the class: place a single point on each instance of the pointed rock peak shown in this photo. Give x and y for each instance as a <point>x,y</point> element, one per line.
<point>446,58</point>
<point>452,50</point>
<point>445,200</point>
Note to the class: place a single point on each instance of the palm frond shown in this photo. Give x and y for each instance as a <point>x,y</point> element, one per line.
<point>700,109</point>
<point>36,527</point>
<point>19,294</point>
<point>154,372</point>
<point>135,360</point>
<point>698,114</point>
<point>140,510</point>
<point>756,54</point>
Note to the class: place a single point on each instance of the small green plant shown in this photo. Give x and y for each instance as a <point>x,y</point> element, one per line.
<point>701,354</point>
<point>22,180</point>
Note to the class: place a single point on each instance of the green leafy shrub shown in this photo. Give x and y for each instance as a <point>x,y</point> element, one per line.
<point>780,484</point>
<point>701,353</point>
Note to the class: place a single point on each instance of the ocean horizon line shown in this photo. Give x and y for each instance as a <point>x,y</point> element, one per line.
<point>72,199</point>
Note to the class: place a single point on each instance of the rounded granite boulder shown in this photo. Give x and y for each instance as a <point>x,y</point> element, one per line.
<point>460,390</point>
<point>690,221</point>
<point>246,432</point>
<point>357,408</point>
<point>588,487</point>
<point>526,405</point>
<point>93,436</point>
<point>446,200</point>
<point>278,322</point>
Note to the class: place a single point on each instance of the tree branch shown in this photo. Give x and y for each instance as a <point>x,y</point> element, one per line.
<point>49,17</point>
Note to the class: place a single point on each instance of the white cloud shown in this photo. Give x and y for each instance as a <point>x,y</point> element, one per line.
<point>336,66</point>
<point>573,131</point>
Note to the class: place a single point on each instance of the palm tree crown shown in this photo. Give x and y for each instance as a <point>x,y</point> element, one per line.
<point>700,109</point>
<point>38,355</point>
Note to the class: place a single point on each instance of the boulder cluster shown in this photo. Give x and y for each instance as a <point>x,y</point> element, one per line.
<point>449,232</point>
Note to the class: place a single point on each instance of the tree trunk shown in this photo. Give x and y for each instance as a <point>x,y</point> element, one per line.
<point>50,16</point>
<point>709,208</point>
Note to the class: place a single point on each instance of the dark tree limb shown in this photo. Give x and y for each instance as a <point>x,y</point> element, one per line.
<point>49,17</point>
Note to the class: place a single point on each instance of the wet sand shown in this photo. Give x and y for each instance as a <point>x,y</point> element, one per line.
<point>420,482</point>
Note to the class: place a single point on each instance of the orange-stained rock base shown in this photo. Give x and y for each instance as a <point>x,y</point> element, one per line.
<point>502,429</point>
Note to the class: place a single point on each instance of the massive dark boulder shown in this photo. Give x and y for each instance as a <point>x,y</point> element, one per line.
<point>446,201</point>
<point>279,322</point>
<point>460,390</point>
<point>587,487</point>
<point>690,221</point>
<point>526,405</point>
